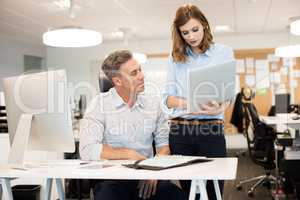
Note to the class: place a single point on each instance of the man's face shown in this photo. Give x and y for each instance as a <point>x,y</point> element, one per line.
<point>131,76</point>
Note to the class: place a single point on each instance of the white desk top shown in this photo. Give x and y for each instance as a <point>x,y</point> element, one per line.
<point>3,135</point>
<point>218,169</point>
<point>273,120</point>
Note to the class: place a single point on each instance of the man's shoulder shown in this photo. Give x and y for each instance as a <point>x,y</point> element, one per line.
<point>100,97</point>
<point>152,102</point>
<point>98,101</point>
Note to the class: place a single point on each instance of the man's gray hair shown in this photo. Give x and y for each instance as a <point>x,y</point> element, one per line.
<point>113,61</point>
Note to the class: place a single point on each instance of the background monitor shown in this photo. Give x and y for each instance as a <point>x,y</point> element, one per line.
<point>282,103</point>
<point>38,114</point>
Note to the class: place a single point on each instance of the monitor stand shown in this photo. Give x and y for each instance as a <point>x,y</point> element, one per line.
<point>20,142</point>
<point>16,157</point>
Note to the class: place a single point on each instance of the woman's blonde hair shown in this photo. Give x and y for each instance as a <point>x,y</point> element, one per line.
<point>183,15</point>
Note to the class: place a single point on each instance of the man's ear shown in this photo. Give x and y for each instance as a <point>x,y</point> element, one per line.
<point>116,81</point>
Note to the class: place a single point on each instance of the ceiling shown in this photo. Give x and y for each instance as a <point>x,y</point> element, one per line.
<point>27,20</point>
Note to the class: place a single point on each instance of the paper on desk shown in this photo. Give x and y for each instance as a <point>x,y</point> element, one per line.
<point>167,161</point>
<point>71,162</point>
<point>95,166</point>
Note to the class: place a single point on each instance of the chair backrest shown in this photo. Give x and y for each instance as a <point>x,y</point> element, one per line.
<point>260,136</point>
<point>104,84</point>
<point>3,120</point>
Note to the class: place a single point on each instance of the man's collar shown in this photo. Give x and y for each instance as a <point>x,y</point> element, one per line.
<point>140,101</point>
<point>118,102</point>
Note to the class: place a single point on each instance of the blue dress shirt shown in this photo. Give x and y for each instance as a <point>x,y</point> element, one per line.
<point>177,77</point>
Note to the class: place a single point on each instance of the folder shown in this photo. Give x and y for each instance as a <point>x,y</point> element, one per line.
<point>166,162</point>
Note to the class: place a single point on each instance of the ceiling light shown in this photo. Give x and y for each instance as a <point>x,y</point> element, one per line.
<point>140,57</point>
<point>72,37</point>
<point>222,28</point>
<point>117,34</point>
<point>290,51</point>
<point>295,27</point>
<point>62,4</point>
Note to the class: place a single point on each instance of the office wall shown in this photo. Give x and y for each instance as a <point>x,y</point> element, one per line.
<point>11,56</point>
<point>77,61</point>
<point>80,63</point>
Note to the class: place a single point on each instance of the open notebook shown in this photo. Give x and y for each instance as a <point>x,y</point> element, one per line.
<point>165,162</point>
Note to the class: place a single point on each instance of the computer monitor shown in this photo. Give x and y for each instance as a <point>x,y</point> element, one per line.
<point>282,103</point>
<point>38,114</point>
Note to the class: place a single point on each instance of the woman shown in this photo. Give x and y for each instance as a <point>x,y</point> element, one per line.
<point>200,133</point>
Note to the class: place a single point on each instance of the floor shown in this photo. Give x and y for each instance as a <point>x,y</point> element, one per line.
<point>246,169</point>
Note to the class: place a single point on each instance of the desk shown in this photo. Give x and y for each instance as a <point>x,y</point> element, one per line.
<point>281,122</point>
<point>218,169</point>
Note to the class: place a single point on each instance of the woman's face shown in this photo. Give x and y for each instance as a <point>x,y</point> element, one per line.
<point>192,32</point>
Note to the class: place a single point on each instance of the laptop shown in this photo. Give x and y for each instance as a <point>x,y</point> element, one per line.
<point>210,83</point>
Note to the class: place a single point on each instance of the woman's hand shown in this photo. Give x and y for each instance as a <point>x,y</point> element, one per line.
<point>212,108</point>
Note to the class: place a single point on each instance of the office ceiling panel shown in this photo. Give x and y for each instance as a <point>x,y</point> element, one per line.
<point>280,14</point>
<point>143,19</point>
<point>251,15</point>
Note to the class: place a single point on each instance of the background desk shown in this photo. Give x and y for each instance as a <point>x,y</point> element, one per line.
<point>281,123</point>
<point>218,169</point>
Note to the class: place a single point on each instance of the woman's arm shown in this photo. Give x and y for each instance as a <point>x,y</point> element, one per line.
<point>211,108</point>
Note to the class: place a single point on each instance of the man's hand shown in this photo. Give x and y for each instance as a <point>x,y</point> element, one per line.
<point>112,153</point>
<point>147,188</point>
<point>133,155</point>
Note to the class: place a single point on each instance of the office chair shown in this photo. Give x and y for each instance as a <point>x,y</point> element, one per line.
<point>260,140</point>
<point>104,84</point>
<point>237,119</point>
<point>3,120</point>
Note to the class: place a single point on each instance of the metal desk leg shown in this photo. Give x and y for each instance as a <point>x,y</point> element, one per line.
<point>0,189</point>
<point>6,186</point>
<point>78,187</point>
<point>202,188</point>
<point>48,189</point>
<point>217,189</point>
<point>193,190</point>
<point>60,189</point>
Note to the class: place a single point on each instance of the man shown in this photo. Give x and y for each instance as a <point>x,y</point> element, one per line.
<point>122,124</point>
